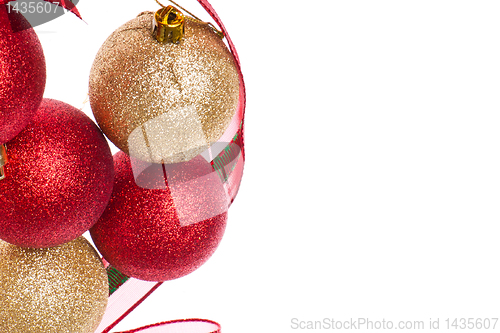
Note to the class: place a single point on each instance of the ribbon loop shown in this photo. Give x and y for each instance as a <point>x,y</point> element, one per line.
<point>181,326</point>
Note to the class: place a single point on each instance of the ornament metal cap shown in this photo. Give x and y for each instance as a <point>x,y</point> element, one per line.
<point>3,161</point>
<point>168,25</point>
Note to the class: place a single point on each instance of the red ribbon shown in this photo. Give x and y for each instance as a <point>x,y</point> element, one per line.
<point>66,4</point>
<point>133,292</point>
<point>183,325</point>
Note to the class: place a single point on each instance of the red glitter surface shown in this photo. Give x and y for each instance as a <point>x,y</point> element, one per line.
<point>140,232</point>
<point>22,73</point>
<point>59,178</point>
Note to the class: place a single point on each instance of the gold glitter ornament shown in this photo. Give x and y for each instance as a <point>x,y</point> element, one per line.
<point>52,290</point>
<point>164,102</point>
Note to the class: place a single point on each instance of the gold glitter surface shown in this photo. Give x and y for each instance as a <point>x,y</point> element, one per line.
<point>59,289</point>
<point>162,101</point>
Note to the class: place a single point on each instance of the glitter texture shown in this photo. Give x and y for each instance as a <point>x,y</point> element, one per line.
<point>140,232</point>
<point>59,178</point>
<point>62,289</point>
<point>162,101</point>
<point>22,73</point>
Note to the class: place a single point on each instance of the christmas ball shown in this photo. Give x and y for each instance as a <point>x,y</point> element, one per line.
<point>22,73</point>
<point>58,180</point>
<point>54,290</point>
<point>163,102</point>
<point>159,229</point>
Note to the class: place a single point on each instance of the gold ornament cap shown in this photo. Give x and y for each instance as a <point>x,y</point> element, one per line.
<point>168,25</point>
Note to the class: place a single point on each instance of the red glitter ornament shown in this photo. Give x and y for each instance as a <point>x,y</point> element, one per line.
<point>22,73</point>
<point>165,222</point>
<point>59,178</point>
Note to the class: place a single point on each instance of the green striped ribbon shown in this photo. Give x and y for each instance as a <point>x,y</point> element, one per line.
<point>115,278</point>
<point>228,154</point>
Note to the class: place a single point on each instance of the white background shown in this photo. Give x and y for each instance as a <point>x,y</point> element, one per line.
<point>372,181</point>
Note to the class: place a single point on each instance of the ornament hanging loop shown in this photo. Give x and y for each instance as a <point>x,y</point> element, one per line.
<point>3,160</point>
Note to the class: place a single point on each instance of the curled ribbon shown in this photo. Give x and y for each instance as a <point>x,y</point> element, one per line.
<point>183,325</point>
<point>66,4</point>
<point>127,293</point>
